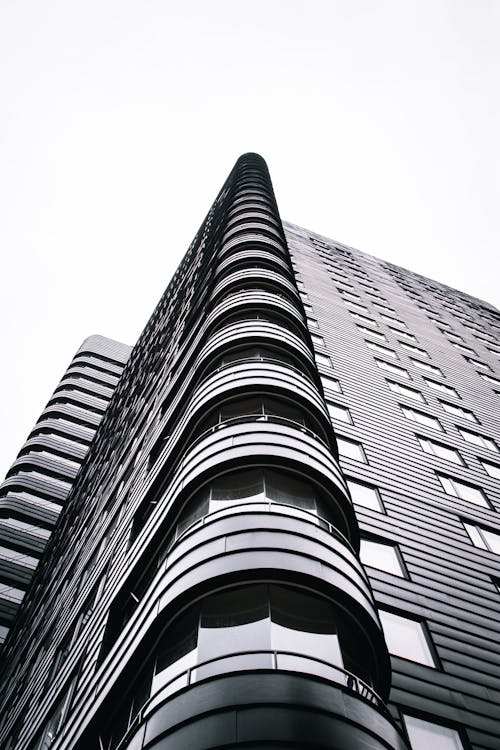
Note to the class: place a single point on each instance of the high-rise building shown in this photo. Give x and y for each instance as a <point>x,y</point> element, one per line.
<point>39,480</point>
<point>284,533</point>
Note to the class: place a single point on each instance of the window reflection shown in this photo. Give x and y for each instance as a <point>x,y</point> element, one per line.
<point>259,407</point>
<point>259,486</point>
<point>252,626</point>
<point>241,627</point>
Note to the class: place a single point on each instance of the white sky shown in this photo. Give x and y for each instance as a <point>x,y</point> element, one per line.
<point>120,119</point>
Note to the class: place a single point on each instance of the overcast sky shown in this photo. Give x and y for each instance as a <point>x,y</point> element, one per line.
<point>120,119</point>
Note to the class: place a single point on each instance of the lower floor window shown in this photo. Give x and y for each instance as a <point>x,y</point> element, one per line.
<point>425,735</point>
<point>253,626</point>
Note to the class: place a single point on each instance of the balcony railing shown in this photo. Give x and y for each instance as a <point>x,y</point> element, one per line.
<point>267,660</point>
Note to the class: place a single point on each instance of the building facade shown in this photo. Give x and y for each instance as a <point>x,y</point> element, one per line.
<point>284,531</point>
<point>38,482</point>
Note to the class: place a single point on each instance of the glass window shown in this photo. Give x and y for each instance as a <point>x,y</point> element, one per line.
<point>441,387</point>
<point>393,320</point>
<point>317,340</point>
<point>483,538</point>
<point>312,323</point>
<point>351,449</point>
<point>376,334</point>
<point>441,451</point>
<point>491,469</point>
<point>406,638</point>
<point>421,418</point>
<point>303,623</point>
<point>321,359</point>
<point>330,384</point>
<point>475,439</point>
<point>403,390</point>
<point>381,556</point>
<point>426,366</point>
<point>425,735</point>
<point>381,349</point>
<point>464,491</point>
<point>363,318</point>
<point>365,495</point>
<point>407,335</point>
<point>339,412</point>
<point>238,487</point>
<point>458,411</point>
<point>481,365</point>
<point>392,368</point>
<point>415,349</point>
<point>489,379</point>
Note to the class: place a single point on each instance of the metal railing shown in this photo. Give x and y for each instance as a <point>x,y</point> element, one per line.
<point>262,660</point>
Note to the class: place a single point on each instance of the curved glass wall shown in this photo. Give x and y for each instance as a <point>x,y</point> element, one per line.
<point>260,408</point>
<point>253,488</point>
<point>258,354</point>
<point>253,626</point>
<point>250,316</point>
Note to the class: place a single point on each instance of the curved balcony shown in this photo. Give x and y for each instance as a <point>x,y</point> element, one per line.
<point>255,441</point>
<point>257,376</point>
<point>247,276</point>
<point>257,301</point>
<point>249,545</point>
<point>250,213</point>
<point>267,705</point>
<point>255,257</point>
<point>254,228</point>
<point>260,332</point>
<point>251,239</point>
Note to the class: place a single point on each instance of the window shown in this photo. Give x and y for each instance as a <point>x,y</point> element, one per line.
<point>381,349</point>
<point>382,556</point>
<point>384,307</point>
<point>441,387</point>
<point>365,495</point>
<point>393,320</point>
<point>475,439</point>
<point>356,305</point>
<point>489,379</point>
<point>466,492</point>
<point>406,638</point>
<point>348,295</point>
<point>330,384</point>
<point>414,349</point>
<point>476,363</point>
<point>425,366</point>
<point>483,538</point>
<point>441,451</point>
<point>421,418</point>
<point>363,318</point>
<point>339,412</point>
<point>229,492</point>
<point>491,469</point>
<point>376,334</point>
<point>323,360</point>
<point>458,411</point>
<point>462,348</point>
<point>312,323</point>
<point>392,368</point>
<point>403,390</point>
<point>406,334</point>
<point>351,449</point>
<point>317,340</point>
<point>425,735</point>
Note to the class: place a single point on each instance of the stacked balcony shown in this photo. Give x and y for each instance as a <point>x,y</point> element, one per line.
<point>248,619</point>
